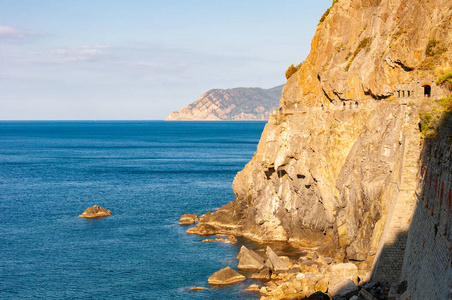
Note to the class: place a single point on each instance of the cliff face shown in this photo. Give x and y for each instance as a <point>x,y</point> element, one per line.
<point>231,104</point>
<point>346,143</point>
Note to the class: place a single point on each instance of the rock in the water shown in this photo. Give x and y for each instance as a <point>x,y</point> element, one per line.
<point>344,289</point>
<point>188,219</point>
<point>264,274</point>
<point>248,259</point>
<point>197,288</point>
<point>95,212</point>
<point>207,240</point>
<point>253,288</point>
<point>202,229</point>
<point>225,276</point>
<point>274,262</point>
<point>230,240</point>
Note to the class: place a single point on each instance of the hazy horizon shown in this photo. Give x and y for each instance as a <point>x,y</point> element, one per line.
<point>140,60</point>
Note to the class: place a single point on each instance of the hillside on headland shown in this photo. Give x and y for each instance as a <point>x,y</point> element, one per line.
<point>230,105</point>
<point>340,167</point>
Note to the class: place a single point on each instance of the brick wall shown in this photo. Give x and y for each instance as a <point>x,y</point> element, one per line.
<point>427,264</point>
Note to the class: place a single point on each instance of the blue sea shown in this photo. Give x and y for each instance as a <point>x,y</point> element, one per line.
<point>147,174</point>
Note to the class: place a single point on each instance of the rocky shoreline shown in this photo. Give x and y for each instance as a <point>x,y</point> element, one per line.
<point>305,276</point>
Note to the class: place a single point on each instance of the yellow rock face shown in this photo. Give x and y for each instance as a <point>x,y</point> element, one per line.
<point>95,212</point>
<point>329,161</point>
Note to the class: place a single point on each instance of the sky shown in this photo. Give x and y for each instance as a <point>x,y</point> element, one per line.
<point>140,60</point>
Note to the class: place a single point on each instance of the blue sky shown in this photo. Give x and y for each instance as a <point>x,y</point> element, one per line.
<point>139,60</point>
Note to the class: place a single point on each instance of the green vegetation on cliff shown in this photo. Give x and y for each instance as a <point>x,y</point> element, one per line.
<point>327,12</point>
<point>433,113</point>
<point>292,70</point>
<point>365,43</point>
<point>445,80</point>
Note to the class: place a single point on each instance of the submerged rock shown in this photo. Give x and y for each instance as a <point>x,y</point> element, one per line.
<point>253,288</point>
<point>95,212</point>
<point>248,259</point>
<point>225,276</point>
<point>188,219</point>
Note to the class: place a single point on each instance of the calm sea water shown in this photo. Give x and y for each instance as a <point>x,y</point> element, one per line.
<point>147,174</point>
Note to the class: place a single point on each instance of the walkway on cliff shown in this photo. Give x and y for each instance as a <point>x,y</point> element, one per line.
<point>389,257</point>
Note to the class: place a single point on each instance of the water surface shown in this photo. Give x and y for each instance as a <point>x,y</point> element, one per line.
<point>147,174</point>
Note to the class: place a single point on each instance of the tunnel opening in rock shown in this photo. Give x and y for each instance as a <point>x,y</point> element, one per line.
<point>427,89</point>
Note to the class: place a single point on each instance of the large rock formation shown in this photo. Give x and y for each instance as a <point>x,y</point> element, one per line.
<point>95,212</point>
<point>230,105</point>
<point>333,160</point>
<point>248,259</point>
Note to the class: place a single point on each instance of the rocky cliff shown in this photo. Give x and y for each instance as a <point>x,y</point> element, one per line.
<point>345,147</point>
<point>231,104</point>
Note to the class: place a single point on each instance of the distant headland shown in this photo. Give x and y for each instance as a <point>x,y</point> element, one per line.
<point>237,104</point>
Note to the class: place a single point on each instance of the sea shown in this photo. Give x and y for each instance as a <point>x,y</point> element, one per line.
<point>148,173</point>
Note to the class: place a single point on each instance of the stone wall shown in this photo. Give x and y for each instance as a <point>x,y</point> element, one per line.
<point>427,265</point>
<point>417,89</point>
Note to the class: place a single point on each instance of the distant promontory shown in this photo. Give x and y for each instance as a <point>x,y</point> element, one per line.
<point>237,104</point>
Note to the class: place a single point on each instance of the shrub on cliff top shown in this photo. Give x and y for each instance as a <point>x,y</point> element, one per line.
<point>327,12</point>
<point>292,70</point>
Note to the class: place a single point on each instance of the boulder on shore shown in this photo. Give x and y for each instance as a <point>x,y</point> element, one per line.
<point>341,272</point>
<point>225,276</point>
<point>344,289</point>
<point>248,259</point>
<point>95,212</point>
<point>188,219</point>
<point>318,296</point>
<point>275,262</point>
<point>264,274</point>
